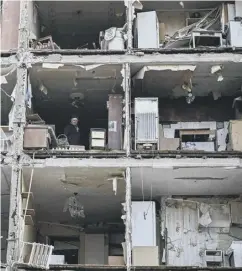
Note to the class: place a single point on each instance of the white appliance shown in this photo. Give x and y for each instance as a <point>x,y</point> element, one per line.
<point>214,257</point>
<point>146,123</point>
<point>143,224</point>
<point>97,138</point>
<point>235,34</point>
<point>147,30</point>
<point>57,259</point>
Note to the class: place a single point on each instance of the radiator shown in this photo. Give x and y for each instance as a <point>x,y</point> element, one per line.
<point>146,121</point>
<point>38,255</point>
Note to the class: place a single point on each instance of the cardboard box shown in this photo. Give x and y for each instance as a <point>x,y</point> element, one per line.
<point>235,138</point>
<point>169,144</point>
<point>116,260</point>
<point>146,256</point>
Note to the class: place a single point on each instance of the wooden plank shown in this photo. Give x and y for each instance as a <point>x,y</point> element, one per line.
<point>196,132</point>
<point>30,212</point>
<point>29,220</point>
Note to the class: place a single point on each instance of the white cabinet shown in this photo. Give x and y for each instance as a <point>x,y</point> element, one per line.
<point>147,30</point>
<point>143,223</point>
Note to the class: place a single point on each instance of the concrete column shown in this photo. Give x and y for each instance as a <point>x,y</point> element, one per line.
<point>127,89</point>
<point>10,24</point>
<point>15,212</point>
<point>128,222</point>
<point>130,17</point>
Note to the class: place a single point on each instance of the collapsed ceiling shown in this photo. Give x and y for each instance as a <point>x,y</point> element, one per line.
<point>167,80</point>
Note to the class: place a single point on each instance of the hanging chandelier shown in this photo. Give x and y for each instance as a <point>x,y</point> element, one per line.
<point>74,206</point>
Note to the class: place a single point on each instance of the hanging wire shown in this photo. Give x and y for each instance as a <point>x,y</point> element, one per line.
<point>9,96</point>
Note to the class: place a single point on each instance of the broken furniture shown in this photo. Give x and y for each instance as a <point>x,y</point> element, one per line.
<point>39,256</point>
<point>235,138</point>
<point>146,33</point>
<point>206,38</point>
<point>183,36</point>
<point>45,43</point>
<point>97,139</point>
<point>146,123</point>
<point>39,137</point>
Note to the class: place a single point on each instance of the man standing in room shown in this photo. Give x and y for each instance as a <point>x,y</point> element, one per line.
<point>72,132</point>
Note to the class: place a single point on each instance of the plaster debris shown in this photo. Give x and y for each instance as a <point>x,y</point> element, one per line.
<point>140,74</point>
<point>52,65</point>
<point>90,67</point>
<point>3,80</point>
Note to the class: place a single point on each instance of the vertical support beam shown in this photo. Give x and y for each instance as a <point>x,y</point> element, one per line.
<point>128,223</point>
<point>15,211</point>
<point>130,17</point>
<point>127,89</point>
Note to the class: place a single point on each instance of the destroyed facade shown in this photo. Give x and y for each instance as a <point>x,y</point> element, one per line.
<point>156,180</point>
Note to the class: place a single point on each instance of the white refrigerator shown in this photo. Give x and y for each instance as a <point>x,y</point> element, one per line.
<point>143,224</point>
<point>146,34</point>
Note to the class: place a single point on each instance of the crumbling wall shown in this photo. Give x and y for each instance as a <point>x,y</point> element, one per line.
<point>190,232</point>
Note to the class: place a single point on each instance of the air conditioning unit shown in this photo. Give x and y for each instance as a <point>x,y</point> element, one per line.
<point>146,123</point>
<point>213,257</point>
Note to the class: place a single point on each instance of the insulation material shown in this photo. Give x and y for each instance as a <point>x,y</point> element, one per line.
<point>140,74</point>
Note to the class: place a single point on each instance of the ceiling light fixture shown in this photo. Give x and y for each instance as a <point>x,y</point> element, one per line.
<point>74,206</point>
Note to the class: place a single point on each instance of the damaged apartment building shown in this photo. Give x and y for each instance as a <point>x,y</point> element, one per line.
<point>154,179</point>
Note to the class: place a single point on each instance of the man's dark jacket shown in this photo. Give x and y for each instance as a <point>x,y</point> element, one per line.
<point>73,135</point>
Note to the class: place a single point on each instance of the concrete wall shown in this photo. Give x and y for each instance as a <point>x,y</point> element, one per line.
<point>186,240</point>
<point>10,24</point>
